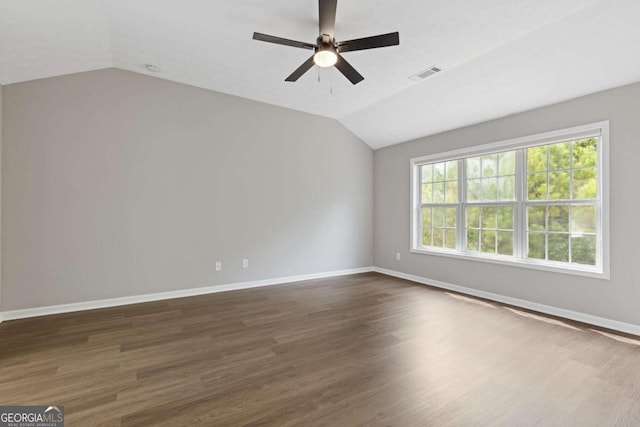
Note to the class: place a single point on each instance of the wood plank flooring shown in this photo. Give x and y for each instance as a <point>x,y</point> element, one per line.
<point>365,349</point>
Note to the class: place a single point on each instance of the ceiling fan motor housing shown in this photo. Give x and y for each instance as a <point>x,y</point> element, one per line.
<point>326,42</point>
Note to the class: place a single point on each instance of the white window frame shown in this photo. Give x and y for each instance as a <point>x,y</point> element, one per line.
<point>602,268</point>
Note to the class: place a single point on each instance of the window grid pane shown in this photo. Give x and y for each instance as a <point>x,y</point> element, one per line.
<point>563,233</point>
<point>439,226</point>
<point>563,171</point>
<point>489,228</point>
<point>491,178</point>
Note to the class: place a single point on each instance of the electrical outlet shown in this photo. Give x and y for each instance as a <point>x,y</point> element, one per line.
<point>397,256</point>
<point>245,263</point>
<point>218,265</point>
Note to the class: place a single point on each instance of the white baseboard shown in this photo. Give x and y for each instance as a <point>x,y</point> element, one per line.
<point>542,308</point>
<point>113,302</point>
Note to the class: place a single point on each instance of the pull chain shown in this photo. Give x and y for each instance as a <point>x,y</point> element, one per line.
<point>331,84</point>
<point>330,81</point>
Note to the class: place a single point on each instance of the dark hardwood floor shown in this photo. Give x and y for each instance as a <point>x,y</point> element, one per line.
<point>357,350</point>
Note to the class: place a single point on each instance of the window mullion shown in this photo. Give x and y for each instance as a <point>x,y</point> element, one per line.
<point>462,196</point>
<point>417,208</point>
<point>520,220</point>
<point>599,207</point>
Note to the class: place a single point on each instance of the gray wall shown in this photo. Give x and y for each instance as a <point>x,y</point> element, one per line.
<point>118,184</point>
<point>0,203</point>
<point>616,299</point>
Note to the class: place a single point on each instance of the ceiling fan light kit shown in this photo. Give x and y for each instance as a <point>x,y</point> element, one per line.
<point>327,50</point>
<point>326,53</point>
<point>325,58</point>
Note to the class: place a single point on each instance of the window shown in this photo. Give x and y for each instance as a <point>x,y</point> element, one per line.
<point>537,202</point>
<point>491,196</point>
<point>439,210</point>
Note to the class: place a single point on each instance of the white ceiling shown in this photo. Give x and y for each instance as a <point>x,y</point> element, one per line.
<point>499,56</point>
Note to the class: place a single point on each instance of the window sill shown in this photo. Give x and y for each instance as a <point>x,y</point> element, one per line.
<point>575,270</point>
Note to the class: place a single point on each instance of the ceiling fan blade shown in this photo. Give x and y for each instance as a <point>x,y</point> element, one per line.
<point>327,12</point>
<point>349,72</point>
<point>279,40</point>
<point>306,65</point>
<point>382,40</point>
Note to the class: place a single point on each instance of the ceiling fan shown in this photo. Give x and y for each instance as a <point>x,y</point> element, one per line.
<point>327,50</point>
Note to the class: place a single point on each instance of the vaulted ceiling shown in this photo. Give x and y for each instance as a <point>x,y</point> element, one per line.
<point>498,57</point>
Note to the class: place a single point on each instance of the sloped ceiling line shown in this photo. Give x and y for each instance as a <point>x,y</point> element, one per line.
<point>499,56</point>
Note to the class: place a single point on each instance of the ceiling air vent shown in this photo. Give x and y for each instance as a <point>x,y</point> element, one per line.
<point>425,74</point>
